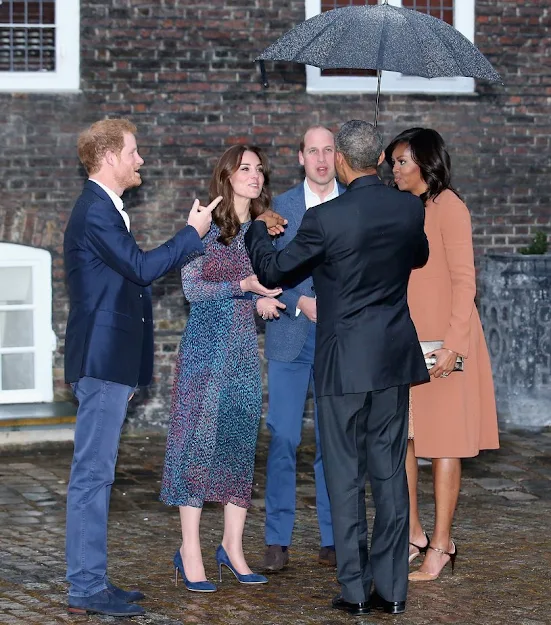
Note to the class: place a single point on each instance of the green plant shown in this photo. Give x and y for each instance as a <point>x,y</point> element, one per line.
<point>539,244</point>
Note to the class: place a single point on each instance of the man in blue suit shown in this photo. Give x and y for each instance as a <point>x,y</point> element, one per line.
<point>289,348</point>
<point>108,346</point>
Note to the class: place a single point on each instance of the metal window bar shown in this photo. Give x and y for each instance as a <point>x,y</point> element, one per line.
<point>27,35</point>
<point>442,9</point>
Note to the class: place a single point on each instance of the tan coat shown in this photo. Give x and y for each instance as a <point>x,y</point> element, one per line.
<point>453,417</point>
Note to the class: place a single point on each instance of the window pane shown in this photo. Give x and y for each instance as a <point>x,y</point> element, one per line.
<point>17,371</point>
<point>442,9</point>
<point>16,328</point>
<point>328,5</point>
<point>30,12</point>
<point>27,36</point>
<point>16,286</point>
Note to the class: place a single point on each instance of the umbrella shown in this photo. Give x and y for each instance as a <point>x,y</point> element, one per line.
<point>380,37</point>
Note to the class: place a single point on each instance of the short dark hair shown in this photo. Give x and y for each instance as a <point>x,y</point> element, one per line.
<point>360,143</point>
<point>428,150</point>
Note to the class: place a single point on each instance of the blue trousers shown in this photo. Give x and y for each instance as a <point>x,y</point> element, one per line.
<point>101,413</point>
<point>288,384</point>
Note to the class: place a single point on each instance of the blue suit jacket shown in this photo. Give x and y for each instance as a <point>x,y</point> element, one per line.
<point>110,327</point>
<point>285,337</point>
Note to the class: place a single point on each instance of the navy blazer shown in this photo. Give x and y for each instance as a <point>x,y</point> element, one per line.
<point>360,249</point>
<point>285,337</point>
<point>109,332</point>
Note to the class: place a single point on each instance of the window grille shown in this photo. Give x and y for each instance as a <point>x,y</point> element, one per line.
<point>442,9</point>
<point>27,36</point>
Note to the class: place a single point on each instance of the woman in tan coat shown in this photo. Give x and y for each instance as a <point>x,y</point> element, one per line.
<point>453,416</point>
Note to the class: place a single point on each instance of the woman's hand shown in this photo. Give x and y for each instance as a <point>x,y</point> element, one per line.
<point>445,363</point>
<point>267,307</point>
<point>251,283</point>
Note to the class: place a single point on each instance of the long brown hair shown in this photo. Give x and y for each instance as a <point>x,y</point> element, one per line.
<point>224,215</point>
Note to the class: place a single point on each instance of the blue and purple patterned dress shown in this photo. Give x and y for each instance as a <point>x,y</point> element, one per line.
<point>217,393</point>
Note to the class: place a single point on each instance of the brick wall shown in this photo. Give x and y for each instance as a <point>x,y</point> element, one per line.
<point>183,71</point>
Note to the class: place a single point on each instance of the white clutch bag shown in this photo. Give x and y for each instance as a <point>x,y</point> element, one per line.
<point>431,346</point>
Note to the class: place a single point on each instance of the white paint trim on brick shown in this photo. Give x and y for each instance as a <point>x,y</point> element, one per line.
<point>393,82</point>
<point>66,77</point>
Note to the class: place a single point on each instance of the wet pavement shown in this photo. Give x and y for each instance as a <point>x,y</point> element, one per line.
<point>502,530</point>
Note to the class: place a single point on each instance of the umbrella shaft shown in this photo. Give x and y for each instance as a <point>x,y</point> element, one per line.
<point>377,98</point>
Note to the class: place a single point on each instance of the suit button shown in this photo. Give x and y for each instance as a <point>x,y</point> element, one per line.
<point>143,320</point>
<point>141,295</point>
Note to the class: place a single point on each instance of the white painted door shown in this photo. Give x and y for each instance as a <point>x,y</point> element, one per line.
<point>26,335</point>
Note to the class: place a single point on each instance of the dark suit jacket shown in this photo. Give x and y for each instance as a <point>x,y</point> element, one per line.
<point>361,248</point>
<point>285,337</point>
<point>110,327</point>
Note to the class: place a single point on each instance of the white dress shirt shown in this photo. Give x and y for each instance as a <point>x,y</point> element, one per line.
<point>313,199</point>
<point>117,201</point>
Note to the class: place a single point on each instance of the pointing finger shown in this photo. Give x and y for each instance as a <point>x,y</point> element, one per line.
<point>214,203</point>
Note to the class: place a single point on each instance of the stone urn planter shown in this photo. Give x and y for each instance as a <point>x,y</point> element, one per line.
<point>515,308</point>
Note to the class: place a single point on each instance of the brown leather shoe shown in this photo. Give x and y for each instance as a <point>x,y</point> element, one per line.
<point>327,556</point>
<point>275,558</point>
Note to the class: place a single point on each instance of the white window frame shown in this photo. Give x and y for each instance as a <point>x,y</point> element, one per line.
<point>394,82</point>
<point>66,76</point>
<point>12,255</point>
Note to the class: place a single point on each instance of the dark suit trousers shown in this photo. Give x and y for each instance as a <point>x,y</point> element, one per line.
<point>364,435</point>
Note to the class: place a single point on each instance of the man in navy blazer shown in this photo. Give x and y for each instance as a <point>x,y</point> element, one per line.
<point>289,348</point>
<point>108,345</point>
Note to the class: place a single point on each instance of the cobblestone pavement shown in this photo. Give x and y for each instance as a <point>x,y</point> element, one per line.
<point>502,531</point>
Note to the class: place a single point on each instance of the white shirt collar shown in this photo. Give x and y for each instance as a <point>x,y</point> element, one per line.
<point>312,199</point>
<point>117,201</point>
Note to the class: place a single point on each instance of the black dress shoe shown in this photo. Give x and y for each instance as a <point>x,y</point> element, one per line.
<point>390,607</point>
<point>356,609</point>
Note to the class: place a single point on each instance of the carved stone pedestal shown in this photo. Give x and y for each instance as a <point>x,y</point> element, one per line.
<point>515,307</point>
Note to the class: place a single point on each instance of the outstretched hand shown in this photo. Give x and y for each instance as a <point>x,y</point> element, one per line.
<point>274,222</point>
<point>200,217</point>
<point>251,284</point>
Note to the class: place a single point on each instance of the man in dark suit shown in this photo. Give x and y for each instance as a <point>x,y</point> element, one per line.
<point>360,248</point>
<point>108,346</point>
<point>289,349</point>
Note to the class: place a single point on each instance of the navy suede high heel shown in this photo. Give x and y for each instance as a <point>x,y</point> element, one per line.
<point>203,586</point>
<point>223,559</point>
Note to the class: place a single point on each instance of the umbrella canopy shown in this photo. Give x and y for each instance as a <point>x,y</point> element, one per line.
<point>381,37</point>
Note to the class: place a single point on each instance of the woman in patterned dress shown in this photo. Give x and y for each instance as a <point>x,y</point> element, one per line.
<point>217,393</point>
